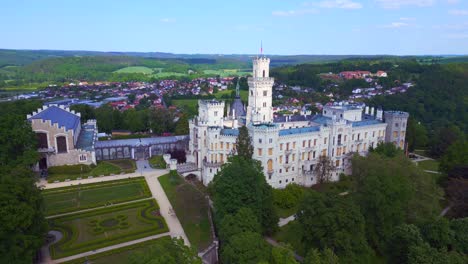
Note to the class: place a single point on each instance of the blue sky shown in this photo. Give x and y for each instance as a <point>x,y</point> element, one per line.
<point>398,27</point>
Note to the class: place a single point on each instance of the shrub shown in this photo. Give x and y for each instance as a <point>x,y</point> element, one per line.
<point>157,162</point>
<point>288,197</point>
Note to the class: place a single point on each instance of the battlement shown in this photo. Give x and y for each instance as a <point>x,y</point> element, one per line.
<point>396,114</point>
<point>211,102</point>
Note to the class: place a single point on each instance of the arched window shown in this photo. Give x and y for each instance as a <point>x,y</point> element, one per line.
<point>263,73</point>
<point>270,165</point>
<point>42,140</point>
<point>61,144</point>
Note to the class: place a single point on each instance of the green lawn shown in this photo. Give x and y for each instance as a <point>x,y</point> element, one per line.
<point>106,168</point>
<point>243,94</point>
<point>227,72</point>
<point>168,74</point>
<point>104,227</point>
<point>135,69</point>
<point>191,208</point>
<point>157,162</point>
<point>120,255</point>
<point>190,106</point>
<point>432,165</point>
<point>78,197</point>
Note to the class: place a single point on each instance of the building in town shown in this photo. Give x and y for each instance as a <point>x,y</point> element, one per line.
<point>287,146</point>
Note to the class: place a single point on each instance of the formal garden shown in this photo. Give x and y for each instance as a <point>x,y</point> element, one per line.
<point>121,255</point>
<point>85,196</point>
<point>106,226</point>
<point>81,171</point>
<point>191,208</point>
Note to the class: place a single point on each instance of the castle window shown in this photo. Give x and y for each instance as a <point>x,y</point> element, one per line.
<point>337,163</point>
<point>281,171</point>
<point>280,182</point>
<point>260,152</point>
<point>281,146</point>
<point>270,151</point>
<point>264,104</point>
<point>313,155</point>
<point>292,179</point>
<point>339,139</point>
<point>315,142</point>
<point>260,140</point>
<point>344,140</point>
<point>61,144</point>
<point>42,140</point>
<point>373,133</point>
<point>365,135</point>
<point>325,141</point>
<point>263,73</point>
<point>294,145</point>
<point>251,92</point>
<point>83,157</point>
<point>270,140</point>
<point>265,93</point>
<point>396,124</point>
<point>303,144</point>
<point>286,180</point>
<point>280,159</point>
<point>216,113</point>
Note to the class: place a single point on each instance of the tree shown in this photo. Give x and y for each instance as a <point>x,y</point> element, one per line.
<point>323,169</point>
<point>182,126</point>
<point>423,254</point>
<point>443,138</point>
<point>243,143</point>
<point>456,155</point>
<point>416,134</point>
<point>460,234</point>
<point>288,197</point>
<point>133,120</point>
<point>23,227</point>
<point>387,150</point>
<point>246,247</point>
<point>241,183</point>
<point>244,220</point>
<point>105,118</point>
<point>327,256</point>
<point>282,255</point>
<point>437,233</point>
<point>161,120</point>
<point>391,191</point>
<point>332,221</point>
<point>402,239</point>
<point>456,189</point>
<point>166,251</point>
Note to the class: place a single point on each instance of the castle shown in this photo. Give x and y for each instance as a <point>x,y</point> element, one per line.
<point>288,147</point>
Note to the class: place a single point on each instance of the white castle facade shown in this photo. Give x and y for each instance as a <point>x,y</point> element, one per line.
<point>287,146</point>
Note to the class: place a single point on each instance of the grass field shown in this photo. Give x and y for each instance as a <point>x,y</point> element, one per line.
<point>135,69</point>
<point>432,165</point>
<point>121,255</point>
<point>105,168</point>
<point>191,208</point>
<point>163,74</point>
<point>243,94</point>
<point>189,105</point>
<point>78,197</point>
<point>104,227</point>
<point>227,72</point>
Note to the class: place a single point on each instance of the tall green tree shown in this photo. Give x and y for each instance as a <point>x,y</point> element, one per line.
<point>282,255</point>
<point>244,220</point>
<point>244,143</point>
<point>241,183</point>
<point>324,169</point>
<point>332,221</point>
<point>456,155</point>
<point>327,256</point>
<point>246,247</point>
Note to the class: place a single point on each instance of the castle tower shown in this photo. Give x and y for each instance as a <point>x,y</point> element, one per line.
<point>259,109</point>
<point>396,127</point>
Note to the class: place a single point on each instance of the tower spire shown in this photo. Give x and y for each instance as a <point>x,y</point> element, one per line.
<point>237,87</point>
<point>261,47</point>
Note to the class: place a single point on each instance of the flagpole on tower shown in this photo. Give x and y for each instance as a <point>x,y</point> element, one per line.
<point>261,48</point>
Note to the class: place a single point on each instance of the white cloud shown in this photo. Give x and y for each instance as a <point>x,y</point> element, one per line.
<point>452,2</point>
<point>395,25</point>
<point>343,4</point>
<point>298,12</point>
<point>394,4</point>
<point>458,12</point>
<point>167,20</point>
